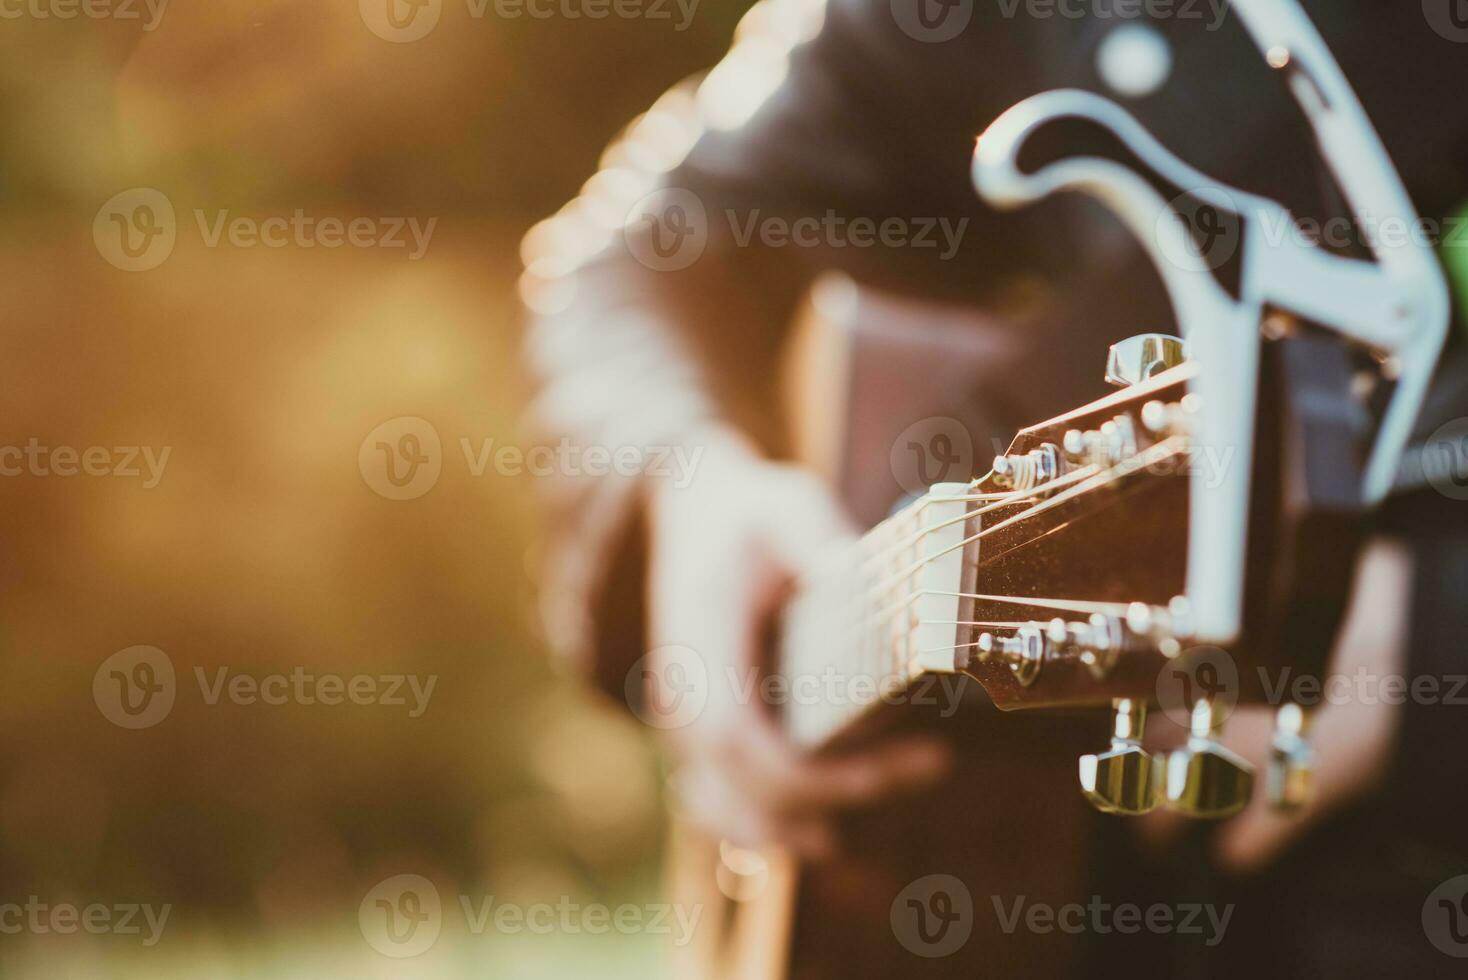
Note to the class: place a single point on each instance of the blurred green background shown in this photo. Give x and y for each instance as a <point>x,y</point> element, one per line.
<point>262,548</point>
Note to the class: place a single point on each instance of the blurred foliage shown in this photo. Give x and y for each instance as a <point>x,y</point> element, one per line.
<point>260,102</point>
<point>262,548</point>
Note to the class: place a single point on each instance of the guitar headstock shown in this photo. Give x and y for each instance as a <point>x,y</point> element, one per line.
<point>1269,548</point>
<point>1074,571</point>
<point>1076,564</point>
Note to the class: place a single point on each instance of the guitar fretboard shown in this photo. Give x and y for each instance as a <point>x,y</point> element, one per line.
<point>868,621</point>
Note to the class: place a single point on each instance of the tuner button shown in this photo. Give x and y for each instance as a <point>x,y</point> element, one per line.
<point>1290,782</point>
<point>1123,779</point>
<point>1206,780</point>
<point>1138,358</point>
<point>1024,652</point>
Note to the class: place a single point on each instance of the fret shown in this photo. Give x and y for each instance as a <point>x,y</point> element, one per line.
<point>867,622</point>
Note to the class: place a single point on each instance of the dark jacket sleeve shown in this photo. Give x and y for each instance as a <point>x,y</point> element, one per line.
<point>823,112</point>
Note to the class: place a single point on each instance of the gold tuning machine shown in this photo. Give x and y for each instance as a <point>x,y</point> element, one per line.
<point>1290,782</point>
<point>1138,358</point>
<point>1204,779</point>
<point>1123,779</point>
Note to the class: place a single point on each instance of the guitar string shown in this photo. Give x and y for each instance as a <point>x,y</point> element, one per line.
<point>1104,479</point>
<point>973,622</point>
<point>1005,499</point>
<point>955,646</point>
<point>1125,467</point>
<point>1016,496</point>
<point>888,660</point>
<point>899,666</point>
<point>1039,602</point>
<point>994,501</point>
<point>1067,605</point>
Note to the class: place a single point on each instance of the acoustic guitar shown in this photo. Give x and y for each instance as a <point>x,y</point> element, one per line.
<point>1054,581</point>
<point>1170,544</point>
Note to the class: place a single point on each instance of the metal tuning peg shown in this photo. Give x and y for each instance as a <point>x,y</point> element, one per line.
<point>1138,358</point>
<point>1024,652</point>
<point>1290,781</point>
<point>1204,779</point>
<point>1123,779</point>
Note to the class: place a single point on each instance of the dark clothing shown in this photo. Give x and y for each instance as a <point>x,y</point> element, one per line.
<point>868,122</point>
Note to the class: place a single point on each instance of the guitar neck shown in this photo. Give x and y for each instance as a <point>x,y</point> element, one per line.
<point>867,622</point>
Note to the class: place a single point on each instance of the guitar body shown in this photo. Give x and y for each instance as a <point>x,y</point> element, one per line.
<point>883,391</point>
<point>879,390</point>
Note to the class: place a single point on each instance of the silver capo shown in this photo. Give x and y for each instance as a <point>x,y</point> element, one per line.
<point>1397,305</point>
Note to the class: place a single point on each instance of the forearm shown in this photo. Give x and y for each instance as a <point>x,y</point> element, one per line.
<point>643,365</point>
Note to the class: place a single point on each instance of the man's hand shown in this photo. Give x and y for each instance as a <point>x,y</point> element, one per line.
<point>725,549</point>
